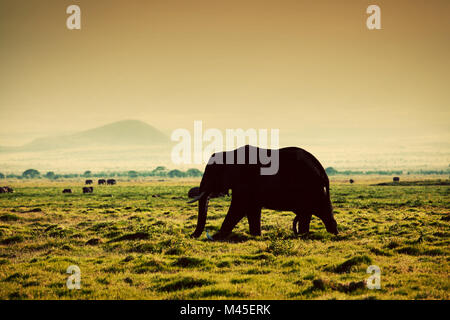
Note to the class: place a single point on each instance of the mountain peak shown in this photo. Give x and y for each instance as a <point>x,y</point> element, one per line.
<point>121,133</point>
<point>130,123</point>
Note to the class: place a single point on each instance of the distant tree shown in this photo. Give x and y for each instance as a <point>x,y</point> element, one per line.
<point>193,173</point>
<point>87,174</point>
<point>331,171</point>
<point>31,174</point>
<point>160,171</point>
<point>176,173</point>
<point>50,175</point>
<point>132,174</point>
<point>2,176</point>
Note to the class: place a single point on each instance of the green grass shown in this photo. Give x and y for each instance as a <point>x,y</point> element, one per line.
<point>131,245</point>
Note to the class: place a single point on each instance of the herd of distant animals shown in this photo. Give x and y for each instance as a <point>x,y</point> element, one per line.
<point>100,182</point>
<point>194,192</point>
<point>394,179</point>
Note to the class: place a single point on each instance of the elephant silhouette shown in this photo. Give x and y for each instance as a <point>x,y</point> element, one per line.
<point>300,185</point>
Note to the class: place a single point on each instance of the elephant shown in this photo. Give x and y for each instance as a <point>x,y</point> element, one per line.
<point>111,182</point>
<point>88,189</point>
<point>67,191</point>
<point>6,190</point>
<point>88,182</point>
<point>101,181</point>
<point>300,184</point>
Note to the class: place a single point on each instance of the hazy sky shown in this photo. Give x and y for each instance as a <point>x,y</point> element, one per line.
<point>305,67</point>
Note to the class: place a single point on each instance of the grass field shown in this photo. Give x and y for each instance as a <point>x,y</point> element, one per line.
<point>131,241</point>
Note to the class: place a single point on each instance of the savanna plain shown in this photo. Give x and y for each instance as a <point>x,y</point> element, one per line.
<point>131,241</point>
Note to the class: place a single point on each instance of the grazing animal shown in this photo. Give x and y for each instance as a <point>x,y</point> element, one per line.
<point>6,190</point>
<point>101,181</point>
<point>111,182</point>
<point>396,179</point>
<point>67,191</point>
<point>300,185</point>
<point>88,189</point>
<point>89,182</point>
<point>351,180</point>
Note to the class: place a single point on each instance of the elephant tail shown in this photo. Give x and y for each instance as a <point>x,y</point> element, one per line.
<point>327,193</point>
<point>327,187</point>
<point>320,171</point>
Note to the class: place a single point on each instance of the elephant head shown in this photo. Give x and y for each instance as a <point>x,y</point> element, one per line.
<point>329,222</point>
<point>325,212</point>
<point>213,182</point>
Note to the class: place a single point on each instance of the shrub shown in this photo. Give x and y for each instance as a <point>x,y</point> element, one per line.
<point>193,173</point>
<point>132,174</point>
<point>31,174</point>
<point>50,175</point>
<point>176,173</point>
<point>331,171</point>
<point>87,174</point>
<point>280,246</point>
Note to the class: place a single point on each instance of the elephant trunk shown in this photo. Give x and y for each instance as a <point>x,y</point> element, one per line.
<point>325,211</point>
<point>202,213</point>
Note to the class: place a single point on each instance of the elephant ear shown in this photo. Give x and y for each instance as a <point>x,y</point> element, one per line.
<point>216,180</point>
<point>197,197</point>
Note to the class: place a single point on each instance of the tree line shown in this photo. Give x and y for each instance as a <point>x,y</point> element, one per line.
<point>332,171</point>
<point>163,172</point>
<point>160,171</point>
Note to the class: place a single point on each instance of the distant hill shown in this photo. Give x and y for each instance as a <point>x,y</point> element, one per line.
<point>118,134</point>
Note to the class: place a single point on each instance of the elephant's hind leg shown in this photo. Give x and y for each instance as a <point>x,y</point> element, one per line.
<point>303,221</point>
<point>295,225</point>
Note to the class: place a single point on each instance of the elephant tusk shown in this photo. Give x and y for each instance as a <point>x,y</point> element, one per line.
<point>197,197</point>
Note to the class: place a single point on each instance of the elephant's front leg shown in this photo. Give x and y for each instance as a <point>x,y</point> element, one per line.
<point>235,213</point>
<point>254,221</point>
